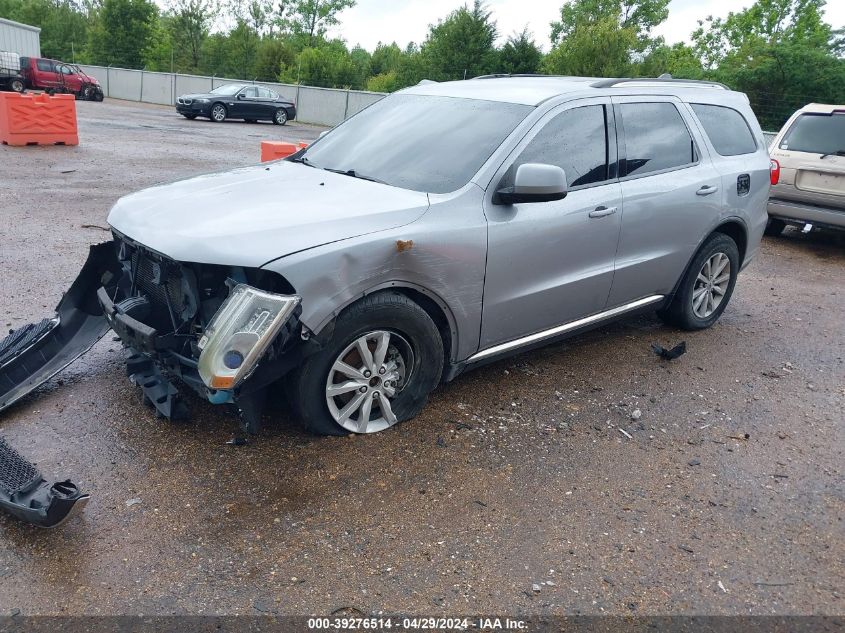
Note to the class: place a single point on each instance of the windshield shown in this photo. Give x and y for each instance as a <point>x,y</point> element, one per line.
<point>422,143</point>
<point>817,134</point>
<point>228,89</point>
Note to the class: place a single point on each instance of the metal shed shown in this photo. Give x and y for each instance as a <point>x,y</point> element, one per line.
<point>20,38</point>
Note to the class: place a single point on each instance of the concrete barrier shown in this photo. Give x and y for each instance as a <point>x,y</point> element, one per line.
<point>322,106</point>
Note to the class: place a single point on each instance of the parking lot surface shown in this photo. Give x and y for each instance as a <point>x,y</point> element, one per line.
<point>586,477</point>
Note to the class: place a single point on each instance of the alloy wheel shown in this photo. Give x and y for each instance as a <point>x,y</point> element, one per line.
<point>365,379</point>
<point>218,113</point>
<point>711,285</point>
<point>281,117</point>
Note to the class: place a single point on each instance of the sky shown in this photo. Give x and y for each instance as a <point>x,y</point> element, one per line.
<point>403,21</point>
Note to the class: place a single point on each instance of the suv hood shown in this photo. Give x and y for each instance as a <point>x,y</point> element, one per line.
<point>250,216</point>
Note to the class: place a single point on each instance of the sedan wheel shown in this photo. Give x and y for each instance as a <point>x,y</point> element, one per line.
<point>711,285</point>
<point>218,113</point>
<point>281,117</point>
<point>364,380</point>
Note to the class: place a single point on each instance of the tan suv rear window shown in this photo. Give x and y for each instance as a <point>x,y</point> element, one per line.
<point>816,133</point>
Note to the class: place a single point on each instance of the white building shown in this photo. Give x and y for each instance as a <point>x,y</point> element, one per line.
<point>20,38</point>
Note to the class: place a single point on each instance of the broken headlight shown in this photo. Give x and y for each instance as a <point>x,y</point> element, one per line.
<point>240,333</point>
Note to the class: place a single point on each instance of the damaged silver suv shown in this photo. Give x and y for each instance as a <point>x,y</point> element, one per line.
<point>446,226</point>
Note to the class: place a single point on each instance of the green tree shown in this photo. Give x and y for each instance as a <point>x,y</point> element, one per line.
<point>639,17</point>
<point>122,33</point>
<point>311,18</point>
<point>780,52</point>
<point>520,54</point>
<point>327,65</point>
<point>189,27</point>
<point>462,45</point>
<point>679,60</point>
<point>63,23</point>
<point>273,54</point>
<point>385,58</point>
<point>597,49</point>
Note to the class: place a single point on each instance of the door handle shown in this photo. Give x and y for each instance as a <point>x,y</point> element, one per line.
<point>706,190</point>
<point>601,212</point>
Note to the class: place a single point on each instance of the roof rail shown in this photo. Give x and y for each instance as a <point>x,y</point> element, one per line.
<point>508,75</point>
<point>610,83</point>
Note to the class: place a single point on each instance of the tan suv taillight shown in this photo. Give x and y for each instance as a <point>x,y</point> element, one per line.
<point>774,171</point>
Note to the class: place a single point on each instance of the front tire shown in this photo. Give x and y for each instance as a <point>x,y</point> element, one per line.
<point>707,286</point>
<point>280,117</point>
<point>218,113</point>
<point>384,357</point>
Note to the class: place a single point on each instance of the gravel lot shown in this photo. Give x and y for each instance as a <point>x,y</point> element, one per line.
<point>516,490</point>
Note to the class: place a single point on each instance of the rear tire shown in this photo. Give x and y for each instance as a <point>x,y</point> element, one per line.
<point>410,368</point>
<point>17,85</point>
<point>280,117</point>
<point>706,288</point>
<point>774,227</point>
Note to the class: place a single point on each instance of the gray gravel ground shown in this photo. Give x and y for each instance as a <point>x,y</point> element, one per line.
<point>516,475</point>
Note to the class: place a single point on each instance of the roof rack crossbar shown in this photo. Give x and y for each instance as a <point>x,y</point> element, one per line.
<point>609,83</point>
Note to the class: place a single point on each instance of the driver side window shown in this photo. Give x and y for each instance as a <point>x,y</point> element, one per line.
<point>575,140</point>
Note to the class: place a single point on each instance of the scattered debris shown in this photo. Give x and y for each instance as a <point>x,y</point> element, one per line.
<point>441,442</point>
<point>760,583</point>
<point>95,226</point>
<point>670,354</point>
<point>740,437</point>
<point>722,587</point>
<point>636,414</point>
<point>404,245</point>
<point>625,433</point>
<point>132,502</point>
<point>535,588</point>
<point>686,548</point>
<point>694,462</point>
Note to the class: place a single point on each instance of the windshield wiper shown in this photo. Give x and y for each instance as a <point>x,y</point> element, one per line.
<point>354,174</point>
<point>303,160</point>
<point>839,152</point>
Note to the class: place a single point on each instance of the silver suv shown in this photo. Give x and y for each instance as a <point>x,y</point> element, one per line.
<point>446,226</point>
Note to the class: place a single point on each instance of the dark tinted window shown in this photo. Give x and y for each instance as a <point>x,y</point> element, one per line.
<point>816,133</point>
<point>656,138</point>
<point>727,129</point>
<point>45,65</point>
<point>423,143</point>
<point>575,140</point>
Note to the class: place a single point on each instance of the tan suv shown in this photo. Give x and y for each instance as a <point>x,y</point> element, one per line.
<point>809,154</point>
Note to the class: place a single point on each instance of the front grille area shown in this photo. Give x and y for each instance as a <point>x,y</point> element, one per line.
<point>167,285</point>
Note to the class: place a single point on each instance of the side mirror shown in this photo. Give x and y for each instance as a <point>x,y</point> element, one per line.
<point>534,182</point>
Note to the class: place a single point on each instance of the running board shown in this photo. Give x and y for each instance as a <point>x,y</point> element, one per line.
<point>26,495</point>
<point>34,353</point>
<point>538,337</point>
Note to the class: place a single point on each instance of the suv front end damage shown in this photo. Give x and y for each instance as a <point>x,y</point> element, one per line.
<point>226,332</point>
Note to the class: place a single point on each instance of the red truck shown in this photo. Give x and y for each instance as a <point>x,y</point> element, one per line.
<point>54,76</point>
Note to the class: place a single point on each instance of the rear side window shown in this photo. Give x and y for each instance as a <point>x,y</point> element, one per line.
<point>656,138</point>
<point>575,140</point>
<point>817,134</point>
<point>44,65</point>
<point>726,128</point>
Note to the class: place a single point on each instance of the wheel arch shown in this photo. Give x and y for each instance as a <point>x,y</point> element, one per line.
<point>429,301</point>
<point>735,229</point>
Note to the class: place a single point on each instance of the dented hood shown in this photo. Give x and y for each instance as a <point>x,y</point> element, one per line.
<point>250,216</point>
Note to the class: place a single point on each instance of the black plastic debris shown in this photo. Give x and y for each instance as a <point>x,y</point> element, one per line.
<point>26,495</point>
<point>670,354</point>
